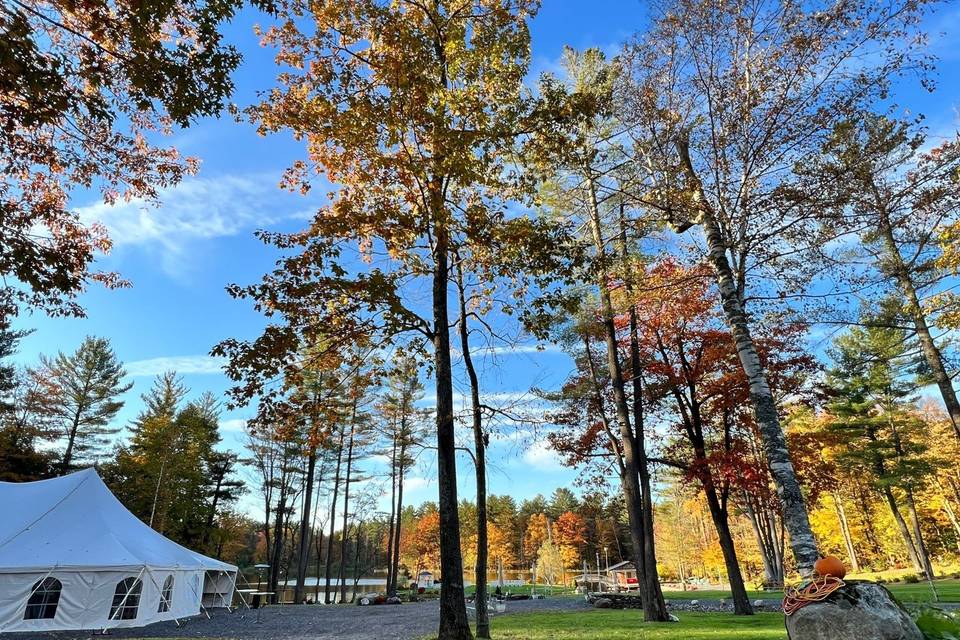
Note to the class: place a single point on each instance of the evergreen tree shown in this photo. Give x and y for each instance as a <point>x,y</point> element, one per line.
<point>170,473</point>
<point>81,395</point>
<point>22,427</point>
<point>562,501</point>
<point>874,418</point>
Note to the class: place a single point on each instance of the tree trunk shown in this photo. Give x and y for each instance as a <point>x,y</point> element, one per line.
<point>931,353</point>
<point>845,530</point>
<point>393,513</point>
<point>214,503</point>
<point>454,624</point>
<point>305,530</point>
<point>342,572</point>
<point>904,531</point>
<point>356,562</point>
<point>765,532</point>
<point>643,468</point>
<point>71,440</point>
<point>918,536</point>
<point>795,517</point>
<point>479,439</point>
<point>396,533</point>
<point>654,607</point>
<point>951,514</point>
<point>738,590</point>
<point>333,515</point>
<point>278,539</point>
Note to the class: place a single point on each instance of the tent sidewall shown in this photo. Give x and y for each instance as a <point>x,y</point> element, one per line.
<point>87,595</point>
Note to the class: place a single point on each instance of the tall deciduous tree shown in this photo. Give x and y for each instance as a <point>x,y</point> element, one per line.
<point>724,100</point>
<point>581,160</point>
<point>83,89</point>
<point>410,108</point>
<point>81,394</point>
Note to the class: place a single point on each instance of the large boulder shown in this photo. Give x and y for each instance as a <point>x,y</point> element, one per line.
<point>857,611</point>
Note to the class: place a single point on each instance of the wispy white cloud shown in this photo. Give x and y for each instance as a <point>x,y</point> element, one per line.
<point>198,208</point>
<point>540,456</point>
<point>417,482</point>
<point>516,349</point>
<point>198,365</point>
<point>234,425</point>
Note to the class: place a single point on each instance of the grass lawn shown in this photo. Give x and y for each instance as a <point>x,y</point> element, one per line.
<point>614,624</point>
<point>949,591</point>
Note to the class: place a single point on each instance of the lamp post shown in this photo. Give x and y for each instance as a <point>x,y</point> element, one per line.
<point>260,569</point>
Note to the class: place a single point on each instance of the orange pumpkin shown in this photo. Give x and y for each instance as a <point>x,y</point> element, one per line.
<point>830,566</point>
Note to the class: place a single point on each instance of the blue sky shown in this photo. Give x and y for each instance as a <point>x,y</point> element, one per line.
<point>180,256</point>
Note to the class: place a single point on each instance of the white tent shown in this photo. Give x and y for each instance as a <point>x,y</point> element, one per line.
<point>72,557</point>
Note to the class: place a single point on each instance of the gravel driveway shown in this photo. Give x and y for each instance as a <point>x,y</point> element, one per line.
<point>408,621</point>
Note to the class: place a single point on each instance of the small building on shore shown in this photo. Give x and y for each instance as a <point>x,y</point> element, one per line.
<point>623,576</point>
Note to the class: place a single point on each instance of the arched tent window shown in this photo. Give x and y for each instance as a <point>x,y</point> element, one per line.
<point>43,601</point>
<point>166,595</point>
<point>126,599</point>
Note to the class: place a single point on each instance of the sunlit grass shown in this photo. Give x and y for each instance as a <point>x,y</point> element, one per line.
<point>612,624</point>
<point>947,589</point>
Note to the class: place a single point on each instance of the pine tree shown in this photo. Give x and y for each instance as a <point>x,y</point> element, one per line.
<point>872,392</point>
<point>81,394</point>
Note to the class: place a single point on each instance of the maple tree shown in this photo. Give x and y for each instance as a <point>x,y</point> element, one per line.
<point>535,534</point>
<point>691,371</point>
<point>84,88</point>
<point>569,532</point>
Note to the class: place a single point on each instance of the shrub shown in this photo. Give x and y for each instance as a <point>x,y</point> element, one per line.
<point>912,578</point>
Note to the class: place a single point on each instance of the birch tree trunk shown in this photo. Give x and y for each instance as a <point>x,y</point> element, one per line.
<point>795,517</point>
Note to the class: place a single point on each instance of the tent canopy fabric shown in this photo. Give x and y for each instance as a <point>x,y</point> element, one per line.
<point>74,521</point>
<point>73,533</point>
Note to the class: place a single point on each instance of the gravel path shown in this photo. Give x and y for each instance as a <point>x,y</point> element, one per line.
<point>408,621</point>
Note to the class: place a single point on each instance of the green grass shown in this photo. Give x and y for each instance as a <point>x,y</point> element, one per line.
<point>948,590</point>
<point>627,625</point>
